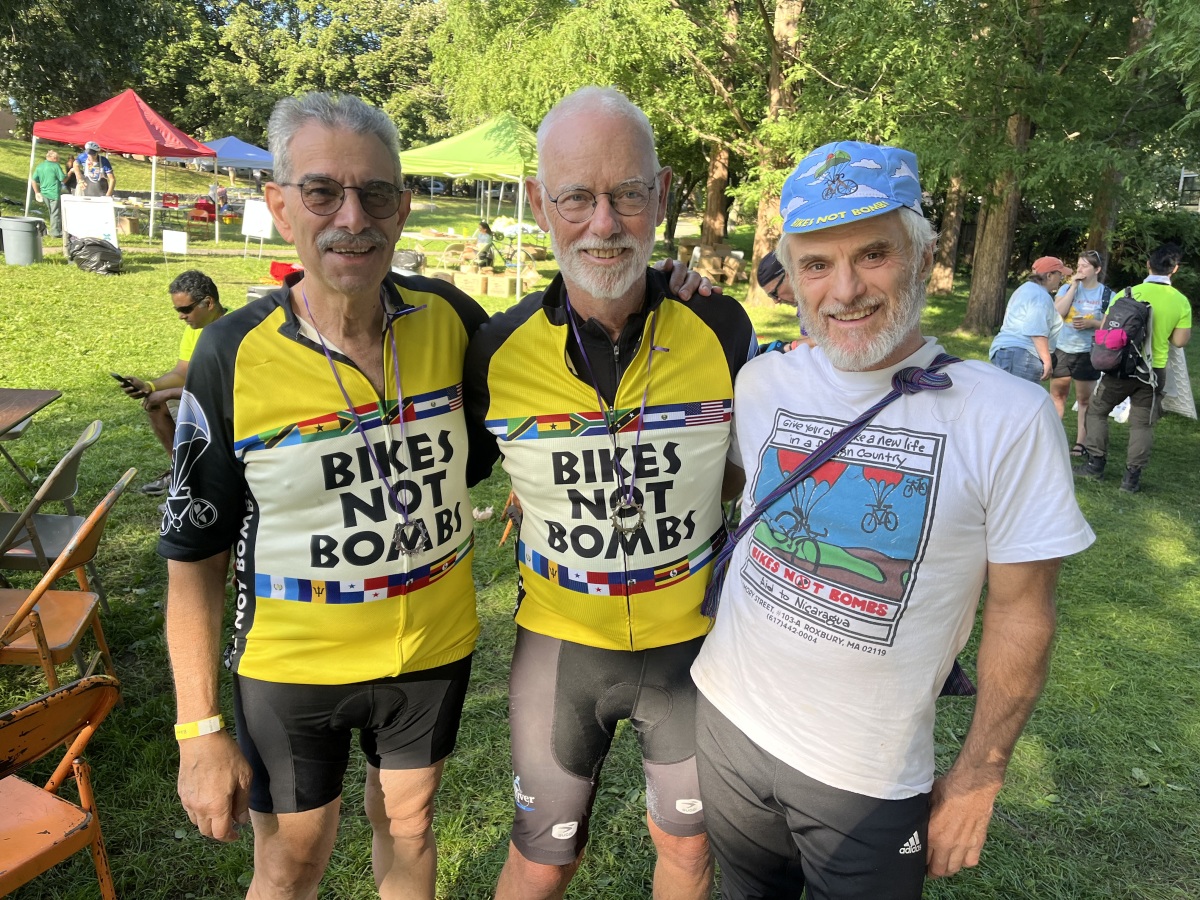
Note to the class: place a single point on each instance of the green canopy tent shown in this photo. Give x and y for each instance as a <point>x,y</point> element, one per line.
<point>501,149</point>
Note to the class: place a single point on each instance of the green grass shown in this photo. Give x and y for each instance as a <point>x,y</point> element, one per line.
<point>1102,799</point>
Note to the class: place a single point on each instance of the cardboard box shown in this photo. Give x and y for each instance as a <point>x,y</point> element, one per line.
<point>471,283</point>
<point>501,285</point>
<point>128,225</point>
<point>536,252</point>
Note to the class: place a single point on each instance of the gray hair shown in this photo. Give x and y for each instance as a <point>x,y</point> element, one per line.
<point>591,100</point>
<point>918,229</point>
<point>333,111</point>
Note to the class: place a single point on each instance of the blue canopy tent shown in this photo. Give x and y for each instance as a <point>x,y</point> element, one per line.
<point>235,152</point>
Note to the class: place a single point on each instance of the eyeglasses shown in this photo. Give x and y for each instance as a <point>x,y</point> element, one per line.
<point>324,196</point>
<point>187,310</point>
<point>773,293</point>
<point>577,205</point>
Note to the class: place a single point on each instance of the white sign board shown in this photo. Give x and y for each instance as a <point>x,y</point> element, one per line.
<point>90,217</point>
<point>175,242</point>
<point>257,221</point>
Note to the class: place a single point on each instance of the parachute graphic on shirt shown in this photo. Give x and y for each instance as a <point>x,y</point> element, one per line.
<point>192,438</point>
<point>839,553</point>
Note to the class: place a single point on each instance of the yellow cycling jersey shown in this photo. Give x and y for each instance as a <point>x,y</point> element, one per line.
<point>269,461</point>
<point>586,574</point>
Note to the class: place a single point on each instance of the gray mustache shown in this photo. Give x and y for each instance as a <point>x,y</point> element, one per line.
<point>369,239</point>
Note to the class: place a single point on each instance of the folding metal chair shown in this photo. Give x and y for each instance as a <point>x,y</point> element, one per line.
<point>30,539</point>
<point>11,435</point>
<point>45,627</point>
<point>38,828</point>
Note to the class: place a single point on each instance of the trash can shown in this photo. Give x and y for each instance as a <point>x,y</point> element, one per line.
<point>22,239</point>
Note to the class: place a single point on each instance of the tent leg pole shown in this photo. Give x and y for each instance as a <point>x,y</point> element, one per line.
<point>29,180</point>
<point>153,182</point>
<point>216,202</point>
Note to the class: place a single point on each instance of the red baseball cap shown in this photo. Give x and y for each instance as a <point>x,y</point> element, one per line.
<point>1048,264</point>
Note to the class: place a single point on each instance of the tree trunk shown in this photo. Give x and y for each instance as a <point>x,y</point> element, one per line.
<point>712,226</point>
<point>681,190</point>
<point>1107,200</point>
<point>989,280</point>
<point>941,281</point>
<point>766,236</point>
<point>783,43</point>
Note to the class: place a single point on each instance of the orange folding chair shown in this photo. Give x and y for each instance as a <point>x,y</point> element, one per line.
<point>45,627</point>
<point>38,828</point>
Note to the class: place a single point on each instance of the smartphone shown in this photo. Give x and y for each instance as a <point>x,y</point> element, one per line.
<point>125,382</point>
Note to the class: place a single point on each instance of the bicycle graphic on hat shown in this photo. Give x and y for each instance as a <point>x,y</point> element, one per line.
<point>836,183</point>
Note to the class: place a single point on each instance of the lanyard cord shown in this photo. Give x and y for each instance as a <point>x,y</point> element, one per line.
<point>389,319</point>
<point>609,412</point>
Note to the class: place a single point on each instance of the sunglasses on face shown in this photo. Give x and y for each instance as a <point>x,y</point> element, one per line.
<point>187,310</point>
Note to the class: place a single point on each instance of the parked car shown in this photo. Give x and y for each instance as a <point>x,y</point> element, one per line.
<point>431,186</point>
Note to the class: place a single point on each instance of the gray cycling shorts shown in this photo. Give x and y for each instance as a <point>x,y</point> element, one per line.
<point>565,700</point>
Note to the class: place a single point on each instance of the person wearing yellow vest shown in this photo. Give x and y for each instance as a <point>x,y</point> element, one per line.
<point>197,302</point>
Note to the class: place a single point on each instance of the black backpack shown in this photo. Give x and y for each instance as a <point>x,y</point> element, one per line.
<point>1119,342</point>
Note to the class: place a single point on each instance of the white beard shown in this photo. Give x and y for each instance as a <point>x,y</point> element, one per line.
<point>905,318</point>
<point>610,283</point>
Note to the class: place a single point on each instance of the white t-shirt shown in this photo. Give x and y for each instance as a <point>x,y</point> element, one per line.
<point>834,668</point>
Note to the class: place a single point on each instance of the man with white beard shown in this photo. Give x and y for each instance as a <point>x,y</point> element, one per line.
<point>611,403</point>
<point>872,519</point>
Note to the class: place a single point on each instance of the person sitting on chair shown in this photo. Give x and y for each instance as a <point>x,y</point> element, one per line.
<point>196,301</point>
<point>484,250</point>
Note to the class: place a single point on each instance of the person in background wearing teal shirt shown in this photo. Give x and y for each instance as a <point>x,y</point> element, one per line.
<point>47,183</point>
<point>196,301</point>
<point>1171,323</point>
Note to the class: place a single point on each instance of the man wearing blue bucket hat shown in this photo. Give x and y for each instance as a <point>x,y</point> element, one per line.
<point>887,482</point>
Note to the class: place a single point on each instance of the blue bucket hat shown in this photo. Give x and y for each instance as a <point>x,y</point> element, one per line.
<point>846,181</point>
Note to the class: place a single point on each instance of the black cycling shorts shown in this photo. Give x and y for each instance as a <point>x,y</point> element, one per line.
<point>565,701</point>
<point>296,737</point>
<point>776,832</point>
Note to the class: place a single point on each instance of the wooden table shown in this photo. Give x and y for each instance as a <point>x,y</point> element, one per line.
<point>17,405</point>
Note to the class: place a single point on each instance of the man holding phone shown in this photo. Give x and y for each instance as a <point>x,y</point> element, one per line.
<point>196,301</point>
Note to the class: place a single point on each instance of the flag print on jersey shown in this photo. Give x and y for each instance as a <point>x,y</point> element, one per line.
<point>372,416</point>
<point>592,422</point>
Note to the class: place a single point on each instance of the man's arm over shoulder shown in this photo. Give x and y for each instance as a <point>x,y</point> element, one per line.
<point>1014,652</point>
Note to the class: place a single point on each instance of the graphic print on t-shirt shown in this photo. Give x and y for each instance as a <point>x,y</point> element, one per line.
<point>836,557</point>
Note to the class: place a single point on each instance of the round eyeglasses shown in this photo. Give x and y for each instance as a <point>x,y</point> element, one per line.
<point>324,196</point>
<point>577,205</point>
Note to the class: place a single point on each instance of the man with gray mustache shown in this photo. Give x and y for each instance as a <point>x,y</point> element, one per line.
<point>611,403</point>
<point>322,438</point>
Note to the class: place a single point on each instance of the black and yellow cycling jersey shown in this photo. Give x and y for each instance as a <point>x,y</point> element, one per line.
<point>582,579</point>
<point>269,461</point>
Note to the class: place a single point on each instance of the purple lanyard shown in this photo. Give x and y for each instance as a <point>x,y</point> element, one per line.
<point>389,321</point>
<point>609,412</point>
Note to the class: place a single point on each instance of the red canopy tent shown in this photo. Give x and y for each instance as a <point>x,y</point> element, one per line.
<point>126,124</point>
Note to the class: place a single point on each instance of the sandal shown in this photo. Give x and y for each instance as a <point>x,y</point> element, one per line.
<point>1078,450</point>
